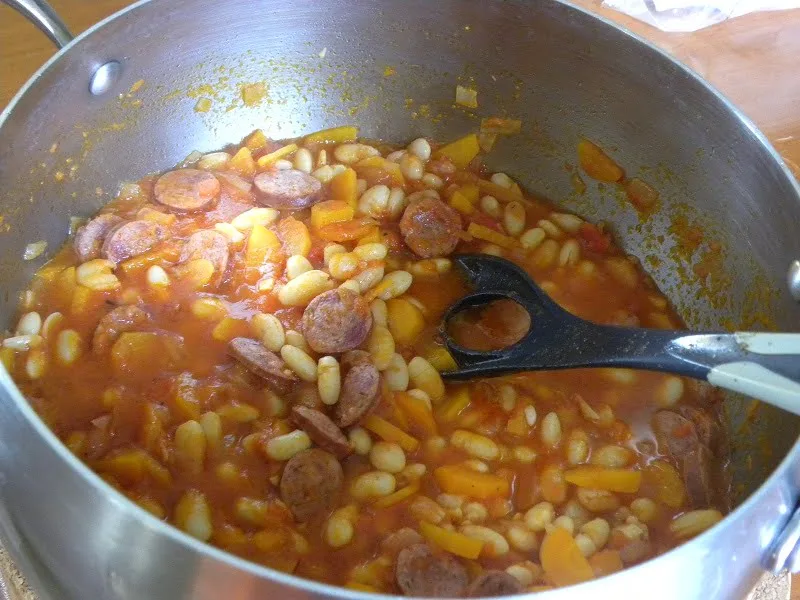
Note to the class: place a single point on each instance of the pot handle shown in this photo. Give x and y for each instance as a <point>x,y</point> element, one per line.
<point>784,554</point>
<point>41,14</point>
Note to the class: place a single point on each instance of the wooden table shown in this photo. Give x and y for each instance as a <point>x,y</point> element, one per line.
<point>752,59</point>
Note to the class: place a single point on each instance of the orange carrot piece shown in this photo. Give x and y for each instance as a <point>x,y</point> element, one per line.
<point>391,433</point>
<point>344,187</point>
<point>416,410</point>
<point>455,479</point>
<point>597,164</point>
<point>451,541</point>
<point>562,560</point>
<point>397,497</point>
<point>491,236</point>
<point>603,478</point>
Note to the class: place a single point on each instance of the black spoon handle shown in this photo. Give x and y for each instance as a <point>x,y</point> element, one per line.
<point>764,365</point>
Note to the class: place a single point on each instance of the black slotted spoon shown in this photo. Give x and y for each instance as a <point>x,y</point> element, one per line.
<point>763,365</point>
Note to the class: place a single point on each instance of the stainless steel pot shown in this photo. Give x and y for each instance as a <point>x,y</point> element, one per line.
<point>392,68</point>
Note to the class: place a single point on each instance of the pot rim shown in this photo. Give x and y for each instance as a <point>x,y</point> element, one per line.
<point>311,586</point>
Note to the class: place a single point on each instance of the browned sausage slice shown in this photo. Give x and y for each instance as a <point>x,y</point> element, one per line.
<point>352,358</point>
<point>260,361</point>
<point>115,323</point>
<point>187,190</point>
<point>311,482</point>
<point>696,469</point>
<point>430,228</point>
<point>336,321</point>
<point>211,245</point>
<point>287,190</point>
<point>89,238</point>
<point>422,574</point>
<point>679,438</point>
<point>132,239</point>
<point>322,431</point>
<point>494,583</point>
<point>359,394</point>
<point>675,434</point>
<point>709,428</point>
<point>404,537</point>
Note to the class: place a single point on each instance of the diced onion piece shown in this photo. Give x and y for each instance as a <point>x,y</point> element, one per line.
<point>466,97</point>
<point>486,140</point>
<point>500,125</point>
<point>34,250</point>
<point>641,194</point>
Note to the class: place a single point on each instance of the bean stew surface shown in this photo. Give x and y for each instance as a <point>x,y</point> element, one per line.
<point>246,346</point>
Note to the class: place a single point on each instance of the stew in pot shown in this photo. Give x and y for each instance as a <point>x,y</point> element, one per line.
<point>246,347</point>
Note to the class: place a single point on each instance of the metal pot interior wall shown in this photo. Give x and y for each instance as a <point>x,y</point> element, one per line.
<point>392,69</point>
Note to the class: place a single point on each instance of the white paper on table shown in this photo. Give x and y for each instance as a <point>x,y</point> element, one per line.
<point>691,15</point>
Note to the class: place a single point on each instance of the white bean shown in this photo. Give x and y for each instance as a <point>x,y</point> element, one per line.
<point>68,346</point>
<point>387,456</point>
<point>304,288</point>
<point>301,363</point>
<point>371,251</point>
<point>351,153</point>
<point>269,329</point>
<point>502,180</point>
<point>255,216</point>
<point>297,265</point>
<point>421,148</point>
<point>373,484</point>
<point>303,161</point>
<point>396,374</point>
<point>412,167</point>
<point>286,446</point>
<point>491,206</point>
<point>329,380</point>
<point>29,324</point>
<point>360,440</point>
<point>375,201</point>
<point>532,238</point>
<point>432,181</point>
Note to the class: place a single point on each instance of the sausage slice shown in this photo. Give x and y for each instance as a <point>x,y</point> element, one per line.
<point>187,190</point>
<point>350,359</point>
<point>89,239</point>
<point>359,394</point>
<point>208,244</point>
<point>678,437</point>
<point>422,574</point>
<point>404,537</point>
<point>115,323</point>
<point>674,433</point>
<point>287,190</point>
<point>494,583</point>
<point>260,361</point>
<point>311,482</point>
<point>430,228</point>
<point>696,471</point>
<point>322,431</point>
<point>132,239</point>
<point>336,321</point>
